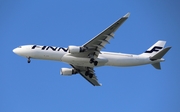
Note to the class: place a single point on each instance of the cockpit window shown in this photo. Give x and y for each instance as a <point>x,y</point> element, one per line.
<point>19,47</point>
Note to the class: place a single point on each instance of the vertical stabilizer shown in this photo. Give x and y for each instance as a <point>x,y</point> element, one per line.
<point>159,45</point>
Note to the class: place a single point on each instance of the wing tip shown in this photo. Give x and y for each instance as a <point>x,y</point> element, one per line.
<point>99,84</point>
<point>127,15</point>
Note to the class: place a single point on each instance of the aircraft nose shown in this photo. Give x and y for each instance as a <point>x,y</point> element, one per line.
<point>22,51</point>
<point>15,50</point>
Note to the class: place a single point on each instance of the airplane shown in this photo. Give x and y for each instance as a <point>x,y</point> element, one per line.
<point>85,58</point>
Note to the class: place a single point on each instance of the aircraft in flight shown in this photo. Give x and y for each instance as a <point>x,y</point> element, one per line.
<point>85,58</point>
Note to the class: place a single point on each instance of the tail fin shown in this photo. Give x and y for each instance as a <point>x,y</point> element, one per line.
<point>156,52</point>
<point>154,49</point>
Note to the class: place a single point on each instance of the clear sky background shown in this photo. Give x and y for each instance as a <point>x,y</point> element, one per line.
<point>39,87</point>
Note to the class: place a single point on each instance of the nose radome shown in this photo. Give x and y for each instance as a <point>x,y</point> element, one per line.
<point>21,51</point>
<point>15,50</point>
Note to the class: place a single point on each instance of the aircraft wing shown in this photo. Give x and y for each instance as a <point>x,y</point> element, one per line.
<point>99,41</point>
<point>82,70</point>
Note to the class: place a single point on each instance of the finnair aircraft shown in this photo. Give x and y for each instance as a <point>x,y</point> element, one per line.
<point>84,58</point>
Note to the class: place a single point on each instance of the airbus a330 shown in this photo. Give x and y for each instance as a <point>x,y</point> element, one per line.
<point>85,58</point>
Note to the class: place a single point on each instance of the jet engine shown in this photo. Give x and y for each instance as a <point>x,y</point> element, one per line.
<point>67,71</point>
<point>76,49</point>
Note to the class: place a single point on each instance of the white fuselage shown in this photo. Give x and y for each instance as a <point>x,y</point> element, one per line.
<point>61,54</point>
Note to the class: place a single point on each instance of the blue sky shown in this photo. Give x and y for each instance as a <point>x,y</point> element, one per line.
<point>38,86</point>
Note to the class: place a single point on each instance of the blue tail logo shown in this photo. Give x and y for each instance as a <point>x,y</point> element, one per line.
<point>154,49</point>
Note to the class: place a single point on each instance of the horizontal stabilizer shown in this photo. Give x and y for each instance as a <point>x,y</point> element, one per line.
<point>157,65</point>
<point>160,54</point>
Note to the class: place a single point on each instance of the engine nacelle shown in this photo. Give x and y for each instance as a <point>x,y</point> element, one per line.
<point>67,71</point>
<point>76,49</point>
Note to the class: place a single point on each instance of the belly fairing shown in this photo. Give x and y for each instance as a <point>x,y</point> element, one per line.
<point>82,61</point>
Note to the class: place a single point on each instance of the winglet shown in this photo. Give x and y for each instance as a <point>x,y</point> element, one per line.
<point>127,15</point>
<point>100,84</point>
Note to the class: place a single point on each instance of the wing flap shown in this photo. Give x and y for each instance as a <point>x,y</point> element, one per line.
<point>82,70</point>
<point>92,80</point>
